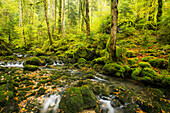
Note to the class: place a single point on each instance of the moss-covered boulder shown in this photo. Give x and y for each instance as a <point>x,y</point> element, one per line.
<point>144,64</point>
<point>46,60</point>
<point>113,69</point>
<point>89,99</point>
<point>33,61</point>
<point>82,61</point>
<point>76,99</point>
<point>159,63</point>
<point>30,68</point>
<point>136,73</point>
<point>132,61</point>
<point>100,60</point>
<point>128,71</point>
<point>130,54</point>
<point>149,72</point>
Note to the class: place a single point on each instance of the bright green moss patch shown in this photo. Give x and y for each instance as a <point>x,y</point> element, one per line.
<point>33,61</point>
<point>132,61</point>
<point>136,73</point>
<point>144,64</point>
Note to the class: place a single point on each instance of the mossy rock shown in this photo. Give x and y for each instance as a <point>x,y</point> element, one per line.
<point>33,61</point>
<point>113,69</point>
<point>89,99</point>
<point>41,91</point>
<point>82,61</point>
<point>30,68</point>
<point>150,51</point>
<point>159,63</point>
<point>130,54</point>
<point>71,101</point>
<point>147,58</point>
<point>144,64</point>
<point>147,80</point>
<point>162,64</point>
<point>132,61</point>
<point>128,71</point>
<point>131,108</point>
<point>100,60</point>
<point>76,99</point>
<point>149,72</point>
<point>136,73</point>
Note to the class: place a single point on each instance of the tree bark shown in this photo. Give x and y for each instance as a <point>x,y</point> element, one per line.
<point>45,11</point>
<point>54,15</point>
<point>87,20</point>
<point>159,14</point>
<point>83,17</point>
<point>112,46</point>
<point>59,19</point>
<point>63,18</point>
<point>21,21</point>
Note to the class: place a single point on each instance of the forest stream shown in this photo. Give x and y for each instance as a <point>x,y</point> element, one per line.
<point>42,90</point>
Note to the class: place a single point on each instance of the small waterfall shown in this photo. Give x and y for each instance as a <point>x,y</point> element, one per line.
<point>52,101</point>
<point>107,105</point>
<point>54,64</point>
<point>12,64</point>
<point>59,62</point>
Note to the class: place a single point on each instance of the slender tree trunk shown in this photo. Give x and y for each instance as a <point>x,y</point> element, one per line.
<point>80,14</point>
<point>20,14</point>
<point>68,9</point>
<point>45,11</point>
<point>54,15</point>
<point>59,19</point>
<point>112,46</point>
<point>63,18</point>
<point>21,21</point>
<point>159,14</point>
<point>83,17</point>
<point>87,20</point>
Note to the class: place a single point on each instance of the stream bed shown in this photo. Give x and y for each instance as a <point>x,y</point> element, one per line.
<point>42,90</point>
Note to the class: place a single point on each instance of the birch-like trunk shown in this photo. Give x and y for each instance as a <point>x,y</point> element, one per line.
<point>46,16</point>
<point>63,18</point>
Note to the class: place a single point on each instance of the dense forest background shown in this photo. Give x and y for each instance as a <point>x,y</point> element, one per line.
<point>78,50</point>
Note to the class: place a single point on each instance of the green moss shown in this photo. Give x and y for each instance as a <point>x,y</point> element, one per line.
<point>147,58</point>
<point>113,69</point>
<point>30,68</point>
<point>100,60</point>
<point>149,72</point>
<point>2,97</point>
<point>144,64</point>
<point>154,62</point>
<point>150,51</point>
<point>162,64</point>
<point>147,80</point>
<point>89,99</point>
<point>132,61</point>
<point>72,101</point>
<point>128,71</point>
<point>33,61</point>
<point>136,73</point>
<point>130,54</point>
<point>82,61</point>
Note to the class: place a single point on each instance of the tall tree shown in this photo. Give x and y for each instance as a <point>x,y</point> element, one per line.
<point>159,14</point>
<point>87,19</point>
<point>21,21</point>
<point>63,18</point>
<point>112,44</point>
<point>59,19</point>
<point>54,15</point>
<point>48,27</point>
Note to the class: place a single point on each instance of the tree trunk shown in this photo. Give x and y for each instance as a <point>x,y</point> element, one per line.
<point>63,18</point>
<point>87,20</point>
<point>54,15</point>
<point>59,19</point>
<point>21,21</point>
<point>159,14</point>
<point>83,17</point>
<point>45,10</point>
<point>112,46</point>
